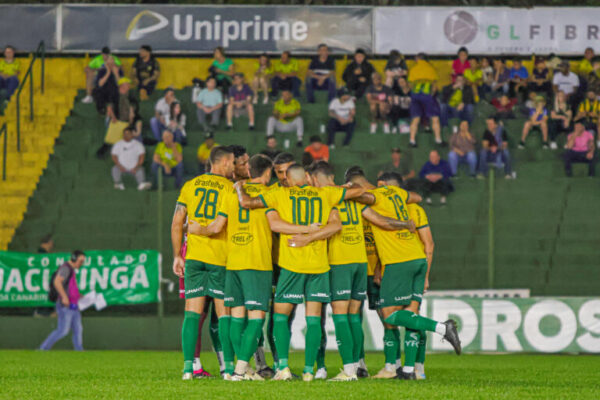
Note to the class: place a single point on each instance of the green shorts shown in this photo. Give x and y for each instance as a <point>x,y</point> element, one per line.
<point>372,293</point>
<point>249,288</point>
<point>348,281</point>
<point>403,282</point>
<point>294,288</point>
<point>203,279</point>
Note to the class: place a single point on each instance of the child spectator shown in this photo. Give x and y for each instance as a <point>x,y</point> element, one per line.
<point>286,76</point>
<point>262,74</point>
<point>317,150</point>
<point>321,74</point>
<point>9,73</point>
<point>379,98</point>
<point>210,104</point>
<point>395,68</point>
<point>560,118</point>
<point>504,106</point>
<point>538,118</point>
<point>240,102</point>
<point>286,117</point>
<point>169,158</point>
<point>222,69</point>
<point>341,117</point>
<point>145,72</point>
<point>460,64</point>
<point>357,74</point>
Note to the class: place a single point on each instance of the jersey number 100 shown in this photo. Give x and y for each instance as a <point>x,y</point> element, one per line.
<point>304,210</point>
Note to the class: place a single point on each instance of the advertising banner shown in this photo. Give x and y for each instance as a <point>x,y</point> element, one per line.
<point>198,29</point>
<point>121,277</point>
<point>534,325</point>
<point>24,26</point>
<point>491,30</point>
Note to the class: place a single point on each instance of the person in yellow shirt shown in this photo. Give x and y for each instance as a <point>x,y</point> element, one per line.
<point>585,65</point>
<point>204,267</point>
<point>203,152</point>
<point>405,262</point>
<point>286,117</point>
<point>286,75</point>
<point>304,270</point>
<point>9,72</point>
<point>262,72</point>
<point>169,157</point>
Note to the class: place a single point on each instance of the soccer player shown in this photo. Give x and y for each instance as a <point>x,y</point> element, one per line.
<point>405,263</point>
<point>304,270</point>
<point>249,264</point>
<point>204,267</point>
<point>240,162</point>
<point>348,273</point>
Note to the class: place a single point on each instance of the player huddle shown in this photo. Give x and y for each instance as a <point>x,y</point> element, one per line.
<point>315,243</point>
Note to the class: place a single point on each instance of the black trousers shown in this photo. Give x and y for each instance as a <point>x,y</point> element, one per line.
<point>572,157</point>
<point>443,187</point>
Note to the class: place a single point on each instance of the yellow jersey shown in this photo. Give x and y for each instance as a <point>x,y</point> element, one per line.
<point>395,246</point>
<point>417,214</point>
<point>348,245</point>
<point>203,198</point>
<point>303,205</point>
<point>249,238</point>
<point>275,247</point>
<point>371,248</point>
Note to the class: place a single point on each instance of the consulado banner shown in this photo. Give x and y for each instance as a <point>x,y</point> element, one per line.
<point>122,277</point>
<point>514,325</point>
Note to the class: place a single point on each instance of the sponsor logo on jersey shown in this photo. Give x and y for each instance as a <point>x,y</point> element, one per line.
<point>242,238</point>
<point>352,238</point>
<point>404,235</point>
<point>195,290</point>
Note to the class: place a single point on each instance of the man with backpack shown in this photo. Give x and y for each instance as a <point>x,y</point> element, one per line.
<point>65,293</point>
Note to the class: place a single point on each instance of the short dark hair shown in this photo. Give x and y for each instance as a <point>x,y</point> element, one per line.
<point>283,158</point>
<point>396,150</point>
<point>238,75</point>
<point>270,137</point>
<point>493,117</point>
<point>217,153</point>
<point>391,176</point>
<point>146,47</point>
<point>8,46</point>
<point>76,254</point>
<point>321,45</point>
<point>128,128</point>
<point>287,52</point>
<point>463,49</point>
<point>105,50</point>
<point>360,51</point>
<point>220,49</point>
<point>315,139</point>
<point>307,160</point>
<point>237,150</point>
<point>258,164</point>
<point>323,168</point>
<point>352,172</point>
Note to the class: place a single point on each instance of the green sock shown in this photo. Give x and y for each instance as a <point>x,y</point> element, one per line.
<point>410,320</point>
<point>422,347</point>
<point>321,353</point>
<point>362,344</point>
<point>358,336</point>
<point>313,339</point>
<point>214,332</point>
<point>281,337</point>
<point>397,340</point>
<point>390,346</point>
<point>343,335</point>
<point>189,337</point>
<point>250,338</point>
<point>411,345</point>
<point>235,333</point>
<point>228,353</point>
<point>271,340</point>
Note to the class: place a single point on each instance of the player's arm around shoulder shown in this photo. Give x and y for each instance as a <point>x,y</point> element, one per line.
<point>215,227</point>
<point>387,223</point>
<point>333,226</point>
<point>246,201</point>
<point>278,225</point>
<point>179,217</point>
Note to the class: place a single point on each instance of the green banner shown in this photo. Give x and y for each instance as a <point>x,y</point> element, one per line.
<point>120,277</point>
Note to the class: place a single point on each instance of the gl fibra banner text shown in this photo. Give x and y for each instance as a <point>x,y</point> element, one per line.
<point>122,277</point>
<point>536,324</point>
<point>492,30</point>
<point>202,28</point>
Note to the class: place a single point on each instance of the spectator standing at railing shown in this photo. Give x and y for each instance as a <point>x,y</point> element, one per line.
<point>95,68</point>
<point>145,72</point>
<point>9,73</point>
<point>321,74</point>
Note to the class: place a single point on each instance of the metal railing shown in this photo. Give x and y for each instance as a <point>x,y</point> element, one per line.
<point>40,53</point>
<point>4,131</point>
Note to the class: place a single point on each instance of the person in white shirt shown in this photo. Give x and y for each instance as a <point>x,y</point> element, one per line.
<point>162,110</point>
<point>341,117</point>
<point>128,156</point>
<point>566,81</point>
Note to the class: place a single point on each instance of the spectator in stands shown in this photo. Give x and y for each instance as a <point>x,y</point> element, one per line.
<point>341,117</point>
<point>457,101</point>
<point>285,76</point>
<point>357,74</point>
<point>93,69</point>
<point>240,102</point>
<point>539,81</point>
<point>175,121</point>
<point>538,118</point>
<point>222,69</point>
<point>317,150</point>
<point>494,148</point>
<point>395,68</point>
<point>379,98</point>
<point>504,106</point>
<point>423,78</point>
<point>400,111</point>
<point>106,86</point>
<point>9,73</point>
<point>474,78</point>
<point>585,65</point>
<point>589,111</point>
<point>566,81</point>
<point>169,158</point>
<point>554,62</point>
<point>128,156</point>
<point>209,104</point>
<point>580,149</point>
<point>400,163</point>
<point>488,75</point>
<point>124,108</point>
<point>321,74</point>
<point>519,77</point>
<point>461,63</point>
<point>262,74</point>
<point>46,245</point>
<point>203,153</point>
<point>462,150</point>
<point>271,151</point>
<point>560,118</point>
<point>501,77</point>
<point>162,109</point>
<point>286,117</point>
<point>435,175</point>
<point>593,79</point>
<point>145,72</point>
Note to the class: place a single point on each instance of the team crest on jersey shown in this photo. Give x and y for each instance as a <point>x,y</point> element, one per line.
<point>242,238</point>
<point>352,238</point>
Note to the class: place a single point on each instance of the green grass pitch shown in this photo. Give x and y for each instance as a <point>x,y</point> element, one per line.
<point>156,375</point>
